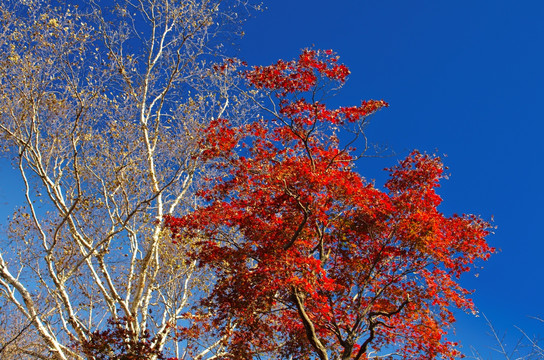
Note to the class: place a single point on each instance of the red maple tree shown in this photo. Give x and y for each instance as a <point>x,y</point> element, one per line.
<point>312,261</point>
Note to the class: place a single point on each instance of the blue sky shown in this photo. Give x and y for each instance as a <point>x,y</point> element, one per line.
<point>463,78</point>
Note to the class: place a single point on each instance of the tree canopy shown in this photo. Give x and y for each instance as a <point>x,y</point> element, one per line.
<point>310,259</point>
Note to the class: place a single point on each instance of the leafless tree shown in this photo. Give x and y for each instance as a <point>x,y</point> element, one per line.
<point>524,347</point>
<point>102,111</point>
<point>18,340</point>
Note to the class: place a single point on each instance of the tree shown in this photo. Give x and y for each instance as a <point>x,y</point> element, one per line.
<point>101,111</point>
<point>17,338</point>
<point>311,260</point>
<point>525,347</point>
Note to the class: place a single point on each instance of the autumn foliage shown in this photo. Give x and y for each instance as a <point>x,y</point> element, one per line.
<point>118,342</point>
<point>312,261</point>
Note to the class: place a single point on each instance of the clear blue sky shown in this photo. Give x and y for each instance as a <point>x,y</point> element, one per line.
<point>464,78</point>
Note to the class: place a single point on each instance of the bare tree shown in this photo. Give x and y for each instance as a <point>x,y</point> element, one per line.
<point>18,340</point>
<point>101,111</point>
<point>525,347</point>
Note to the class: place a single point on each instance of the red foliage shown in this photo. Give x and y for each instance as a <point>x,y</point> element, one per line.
<point>311,260</point>
<point>119,342</point>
